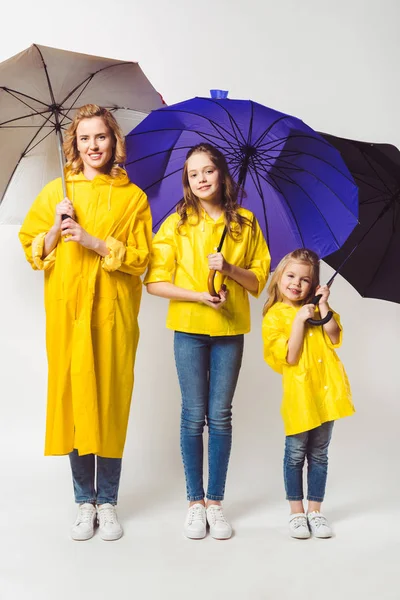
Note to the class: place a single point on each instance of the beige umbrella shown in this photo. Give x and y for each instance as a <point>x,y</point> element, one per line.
<point>39,90</point>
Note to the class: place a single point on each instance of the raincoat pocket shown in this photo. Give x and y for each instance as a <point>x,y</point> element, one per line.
<point>104,303</point>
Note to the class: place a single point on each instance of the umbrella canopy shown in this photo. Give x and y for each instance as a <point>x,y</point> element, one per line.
<point>369,259</point>
<point>39,90</point>
<point>295,182</point>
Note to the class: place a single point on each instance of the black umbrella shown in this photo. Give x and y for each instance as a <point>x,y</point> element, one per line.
<point>369,259</point>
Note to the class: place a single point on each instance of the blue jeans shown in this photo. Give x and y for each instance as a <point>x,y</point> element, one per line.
<point>83,477</point>
<point>208,369</point>
<point>313,444</point>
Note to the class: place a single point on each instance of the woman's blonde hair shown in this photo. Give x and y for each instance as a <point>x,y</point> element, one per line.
<point>229,197</point>
<point>302,255</point>
<point>88,111</point>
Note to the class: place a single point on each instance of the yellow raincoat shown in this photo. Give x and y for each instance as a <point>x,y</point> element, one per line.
<point>91,305</point>
<point>181,258</point>
<point>316,389</point>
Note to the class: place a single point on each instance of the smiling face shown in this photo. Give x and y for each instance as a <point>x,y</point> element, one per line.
<point>295,283</point>
<point>204,178</point>
<point>95,145</point>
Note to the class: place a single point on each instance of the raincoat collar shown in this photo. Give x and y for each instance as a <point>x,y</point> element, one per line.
<point>121,178</point>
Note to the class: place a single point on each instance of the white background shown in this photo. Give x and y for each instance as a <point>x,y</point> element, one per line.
<point>336,66</point>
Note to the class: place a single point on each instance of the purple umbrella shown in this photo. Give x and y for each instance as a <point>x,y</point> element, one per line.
<point>294,181</point>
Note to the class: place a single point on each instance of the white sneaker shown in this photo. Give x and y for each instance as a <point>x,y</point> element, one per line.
<point>298,526</point>
<point>195,523</point>
<point>319,525</point>
<point>109,526</point>
<point>219,526</point>
<point>83,528</point>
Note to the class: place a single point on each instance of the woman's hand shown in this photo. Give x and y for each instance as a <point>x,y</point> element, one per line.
<point>214,301</point>
<point>305,312</point>
<point>217,262</point>
<point>76,233</point>
<point>64,207</point>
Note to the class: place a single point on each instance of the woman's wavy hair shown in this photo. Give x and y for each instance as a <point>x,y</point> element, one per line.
<point>190,203</point>
<point>302,255</point>
<point>88,111</point>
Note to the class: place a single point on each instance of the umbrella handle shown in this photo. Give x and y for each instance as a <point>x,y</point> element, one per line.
<point>327,317</point>
<point>210,284</point>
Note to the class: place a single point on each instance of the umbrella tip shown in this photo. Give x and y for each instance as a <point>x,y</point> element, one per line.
<point>219,94</point>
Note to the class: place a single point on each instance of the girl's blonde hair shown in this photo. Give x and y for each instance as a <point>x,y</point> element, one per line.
<point>88,111</point>
<point>302,255</point>
<point>234,221</point>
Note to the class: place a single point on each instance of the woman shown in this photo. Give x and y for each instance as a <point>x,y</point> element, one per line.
<point>208,329</point>
<point>92,262</point>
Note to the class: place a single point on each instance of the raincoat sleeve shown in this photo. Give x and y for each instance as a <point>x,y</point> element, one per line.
<point>326,336</point>
<point>132,257</point>
<point>275,340</point>
<point>258,258</point>
<point>36,225</point>
<point>163,255</point>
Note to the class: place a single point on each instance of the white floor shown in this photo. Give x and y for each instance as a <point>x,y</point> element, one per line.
<point>154,561</point>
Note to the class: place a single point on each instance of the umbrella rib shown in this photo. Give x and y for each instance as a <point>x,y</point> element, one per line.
<point>25,126</point>
<point>218,127</point>
<point>230,116</point>
<point>9,90</point>
<point>34,114</point>
<point>210,135</point>
<point>26,104</point>
<point>258,141</point>
<point>359,178</point>
<point>165,214</point>
<point>280,168</point>
<point>92,75</point>
<point>65,115</point>
<point>27,149</point>
<point>286,202</point>
<point>39,142</point>
<point>312,201</point>
<point>376,173</point>
<point>384,254</point>
<point>166,151</point>
<point>260,191</point>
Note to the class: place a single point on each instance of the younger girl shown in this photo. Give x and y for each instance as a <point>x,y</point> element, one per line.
<point>208,329</point>
<point>316,390</point>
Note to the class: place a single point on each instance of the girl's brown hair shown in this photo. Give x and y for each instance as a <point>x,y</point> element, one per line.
<point>229,197</point>
<point>88,111</point>
<point>303,255</point>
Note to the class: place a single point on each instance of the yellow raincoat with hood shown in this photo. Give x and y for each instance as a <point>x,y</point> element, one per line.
<point>92,304</point>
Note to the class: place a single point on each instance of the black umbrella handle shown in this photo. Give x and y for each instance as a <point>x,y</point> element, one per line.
<point>327,317</point>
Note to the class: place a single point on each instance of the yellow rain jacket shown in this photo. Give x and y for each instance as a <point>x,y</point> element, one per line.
<point>316,389</point>
<point>91,305</point>
<point>181,258</point>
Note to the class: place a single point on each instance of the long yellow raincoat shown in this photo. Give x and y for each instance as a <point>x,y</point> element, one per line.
<point>181,258</point>
<point>316,389</point>
<point>91,305</point>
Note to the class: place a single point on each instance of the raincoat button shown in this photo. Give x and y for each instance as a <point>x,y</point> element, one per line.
<point>320,360</point>
<point>326,387</point>
<point>310,334</point>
